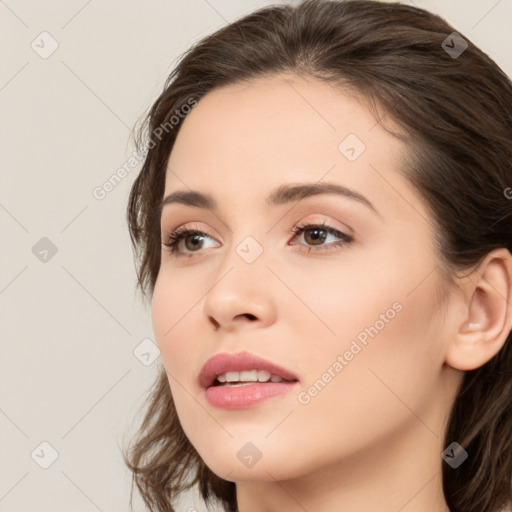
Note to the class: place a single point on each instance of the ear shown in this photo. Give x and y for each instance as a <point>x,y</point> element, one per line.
<point>487,313</point>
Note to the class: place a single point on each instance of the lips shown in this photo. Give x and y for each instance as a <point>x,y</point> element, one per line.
<point>226,362</point>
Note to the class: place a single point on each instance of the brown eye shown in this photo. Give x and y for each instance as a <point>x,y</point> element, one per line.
<point>193,241</point>
<point>315,236</point>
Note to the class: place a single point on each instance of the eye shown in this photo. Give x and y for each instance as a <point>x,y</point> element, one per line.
<point>193,240</point>
<point>317,234</point>
<point>314,235</point>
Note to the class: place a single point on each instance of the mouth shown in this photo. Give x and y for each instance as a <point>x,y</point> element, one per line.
<point>246,377</point>
<point>243,380</point>
<point>242,369</point>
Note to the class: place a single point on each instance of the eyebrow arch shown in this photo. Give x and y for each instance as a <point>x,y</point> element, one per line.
<point>282,195</point>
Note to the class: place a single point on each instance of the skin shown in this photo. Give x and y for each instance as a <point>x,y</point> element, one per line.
<point>372,438</point>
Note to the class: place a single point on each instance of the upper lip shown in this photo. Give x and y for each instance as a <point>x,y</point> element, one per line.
<point>226,362</point>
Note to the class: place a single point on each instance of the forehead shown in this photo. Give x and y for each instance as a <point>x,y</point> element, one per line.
<point>249,138</point>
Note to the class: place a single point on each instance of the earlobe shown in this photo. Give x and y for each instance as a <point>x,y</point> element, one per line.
<point>487,318</point>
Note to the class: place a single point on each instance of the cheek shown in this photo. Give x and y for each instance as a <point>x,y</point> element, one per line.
<point>387,384</point>
<point>387,323</point>
<point>173,317</point>
<point>392,352</point>
<point>172,305</point>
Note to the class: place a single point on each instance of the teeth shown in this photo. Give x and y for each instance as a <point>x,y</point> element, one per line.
<point>263,376</point>
<point>232,376</point>
<point>249,376</point>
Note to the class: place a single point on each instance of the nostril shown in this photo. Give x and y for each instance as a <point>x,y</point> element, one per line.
<point>249,316</point>
<point>214,322</point>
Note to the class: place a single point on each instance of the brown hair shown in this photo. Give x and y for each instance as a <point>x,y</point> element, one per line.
<point>456,116</point>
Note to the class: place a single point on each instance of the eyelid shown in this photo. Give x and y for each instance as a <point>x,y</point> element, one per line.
<point>185,230</point>
<point>179,234</point>
<point>345,239</point>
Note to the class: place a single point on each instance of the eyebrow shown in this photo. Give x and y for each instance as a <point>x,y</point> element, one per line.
<point>282,195</point>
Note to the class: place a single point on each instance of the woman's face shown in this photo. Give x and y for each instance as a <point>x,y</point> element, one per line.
<point>356,318</point>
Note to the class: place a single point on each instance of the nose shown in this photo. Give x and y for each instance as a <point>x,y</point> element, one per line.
<point>243,295</point>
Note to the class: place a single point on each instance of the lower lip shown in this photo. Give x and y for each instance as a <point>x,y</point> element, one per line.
<point>248,395</point>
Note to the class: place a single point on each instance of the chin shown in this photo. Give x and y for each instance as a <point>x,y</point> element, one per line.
<point>237,466</point>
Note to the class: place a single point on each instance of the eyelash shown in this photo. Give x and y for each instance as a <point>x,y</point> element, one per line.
<point>179,234</point>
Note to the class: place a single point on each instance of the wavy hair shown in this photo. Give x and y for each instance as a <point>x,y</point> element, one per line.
<point>456,116</point>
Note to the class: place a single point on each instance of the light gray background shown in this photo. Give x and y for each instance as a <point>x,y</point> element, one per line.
<point>70,324</point>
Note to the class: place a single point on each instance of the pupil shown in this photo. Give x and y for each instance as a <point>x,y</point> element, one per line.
<point>314,235</point>
<point>196,241</point>
<point>317,239</point>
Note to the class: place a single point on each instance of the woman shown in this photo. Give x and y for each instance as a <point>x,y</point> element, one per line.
<point>324,226</point>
